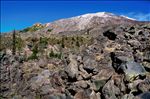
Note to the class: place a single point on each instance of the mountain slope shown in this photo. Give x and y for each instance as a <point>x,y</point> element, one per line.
<point>88,21</point>
<point>79,23</point>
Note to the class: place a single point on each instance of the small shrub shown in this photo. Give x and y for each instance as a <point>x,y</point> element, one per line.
<point>34,53</point>
<point>77,44</point>
<point>32,28</point>
<point>51,54</point>
<point>43,42</point>
<point>55,55</point>
<point>19,43</point>
<point>49,30</point>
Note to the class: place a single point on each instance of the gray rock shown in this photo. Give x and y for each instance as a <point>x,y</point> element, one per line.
<point>144,86</point>
<point>128,96</point>
<point>72,68</point>
<point>45,89</point>
<point>110,91</point>
<point>100,79</point>
<point>83,73</point>
<point>145,95</point>
<point>56,96</point>
<point>132,70</point>
<point>131,30</point>
<point>147,56</point>
<point>39,80</point>
<point>87,94</point>
<point>89,63</point>
<point>82,84</point>
<point>42,63</point>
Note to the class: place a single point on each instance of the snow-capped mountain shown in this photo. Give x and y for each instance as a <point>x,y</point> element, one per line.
<point>80,23</point>
<point>88,21</point>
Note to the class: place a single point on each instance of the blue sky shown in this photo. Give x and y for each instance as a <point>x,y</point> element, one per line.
<point>20,14</point>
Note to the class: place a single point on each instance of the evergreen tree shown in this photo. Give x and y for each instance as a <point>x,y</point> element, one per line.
<point>51,54</point>
<point>14,43</point>
<point>77,44</point>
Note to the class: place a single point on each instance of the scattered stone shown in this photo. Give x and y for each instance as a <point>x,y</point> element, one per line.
<point>82,84</point>
<point>128,96</point>
<point>89,64</point>
<point>101,78</point>
<point>110,90</point>
<point>110,35</point>
<point>109,62</point>
<point>87,94</point>
<point>144,86</point>
<point>132,70</point>
<point>145,95</point>
<point>72,68</point>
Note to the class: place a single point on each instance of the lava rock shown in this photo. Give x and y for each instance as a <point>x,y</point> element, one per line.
<point>145,95</point>
<point>72,68</point>
<point>100,79</point>
<point>110,90</point>
<point>132,70</point>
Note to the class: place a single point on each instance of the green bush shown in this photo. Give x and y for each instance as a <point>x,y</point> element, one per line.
<point>49,30</point>
<point>77,44</point>
<point>55,55</point>
<point>43,42</point>
<point>34,53</point>
<point>51,54</point>
<point>19,43</point>
<point>5,43</point>
<point>32,28</point>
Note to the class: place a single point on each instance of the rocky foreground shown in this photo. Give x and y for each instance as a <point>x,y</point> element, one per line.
<point>116,65</point>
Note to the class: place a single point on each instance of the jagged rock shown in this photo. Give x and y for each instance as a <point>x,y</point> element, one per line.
<point>79,59</point>
<point>145,95</point>
<point>147,56</point>
<point>72,68</point>
<point>133,86</point>
<point>138,57</point>
<point>110,90</point>
<point>132,70</point>
<point>144,86</point>
<point>87,94</point>
<point>100,79</point>
<point>39,80</point>
<point>110,35</point>
<point>131,30</point>
<point>119,82</point>
<point>134,43</point>
<point>56,81</point>
<point>42,63</point>
<point>82,84</point>
<point>2,54</point>
<point>17,97</point>
<point>97,84</point>
<point>89,64</point>
<point>56,96</point>
<point>147,26</point>
<point>128,96</point>
<point>45,89</point>
<point>83,73</point>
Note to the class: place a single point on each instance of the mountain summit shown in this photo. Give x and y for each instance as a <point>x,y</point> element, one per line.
<point>102,14</point>
<point>88,21</point>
